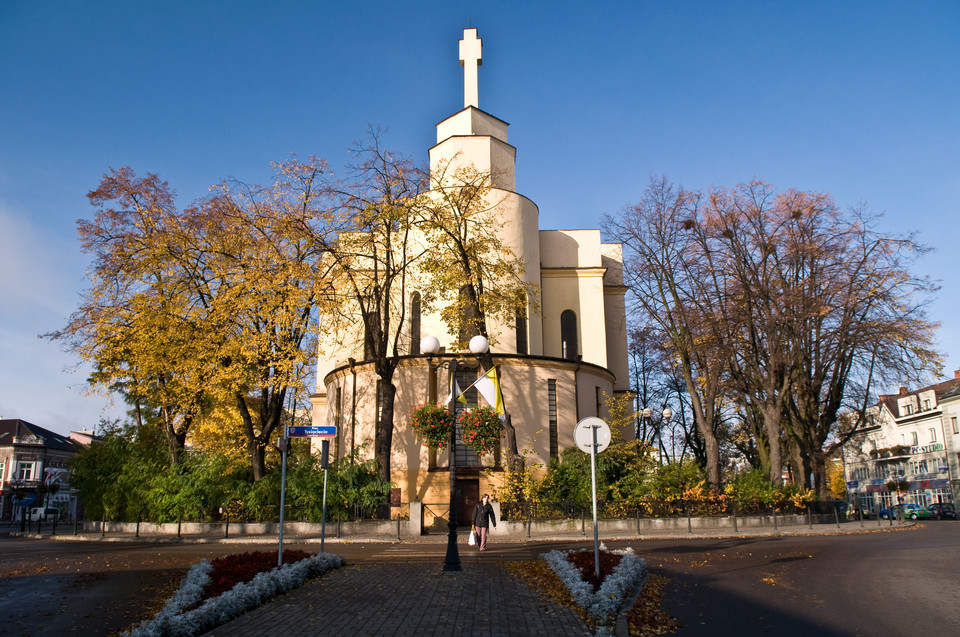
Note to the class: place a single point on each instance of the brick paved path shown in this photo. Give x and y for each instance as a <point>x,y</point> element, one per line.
<point>412,600</point>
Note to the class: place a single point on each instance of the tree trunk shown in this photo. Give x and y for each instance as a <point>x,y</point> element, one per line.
<point>712,449</point>
<point>257,451</point>
<point>255,444</point>
<point>176,441</point>
<point>819,470</point>
<point>383,437</point>
<point>515,461</point>
<point>771,424</point>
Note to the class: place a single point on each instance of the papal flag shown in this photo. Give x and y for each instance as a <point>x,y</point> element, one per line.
<point>489,387</point>
<point>455,391</point>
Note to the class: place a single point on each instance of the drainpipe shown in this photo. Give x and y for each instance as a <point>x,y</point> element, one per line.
<point>576,385</point>
<point>353,409</point>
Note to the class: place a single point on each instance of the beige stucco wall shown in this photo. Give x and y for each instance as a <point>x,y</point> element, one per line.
<point>472,121</point>
<point>524,383</point>
<point>580,290</point>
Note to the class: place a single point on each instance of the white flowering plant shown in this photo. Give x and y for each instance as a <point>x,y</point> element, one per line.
<point>604,604</point>
<point>175,620</point>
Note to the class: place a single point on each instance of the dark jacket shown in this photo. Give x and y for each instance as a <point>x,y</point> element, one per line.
<point>483,515</point>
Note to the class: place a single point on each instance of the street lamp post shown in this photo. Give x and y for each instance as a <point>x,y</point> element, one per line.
<point>646,415</point>
<point>430,346</point>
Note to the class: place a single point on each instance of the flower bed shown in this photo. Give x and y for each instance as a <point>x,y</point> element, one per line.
<point>198,606</point>
<point>604,603</point>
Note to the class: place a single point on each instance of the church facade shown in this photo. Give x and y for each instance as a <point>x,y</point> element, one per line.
<point>556,366</point>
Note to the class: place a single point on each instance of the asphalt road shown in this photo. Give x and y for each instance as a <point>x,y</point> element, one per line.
<point>881,582</point>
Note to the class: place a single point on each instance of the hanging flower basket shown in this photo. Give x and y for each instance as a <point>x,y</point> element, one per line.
<point>432,424</point>
<point>481,429</point>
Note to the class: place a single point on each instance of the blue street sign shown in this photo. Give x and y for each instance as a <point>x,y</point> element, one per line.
<point>299,430</point>
<point>853,483</point>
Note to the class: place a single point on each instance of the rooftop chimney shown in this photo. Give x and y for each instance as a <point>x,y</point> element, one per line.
<point>904,391</point>
<point>956,375</point>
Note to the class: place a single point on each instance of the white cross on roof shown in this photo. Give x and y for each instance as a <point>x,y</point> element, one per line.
<point>470,59</point>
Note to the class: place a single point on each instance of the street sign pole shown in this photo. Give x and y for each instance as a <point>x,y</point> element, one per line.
<point>282,443</point>
<point>593,485</point>
<point>324,462</point>
<point>592,436</point>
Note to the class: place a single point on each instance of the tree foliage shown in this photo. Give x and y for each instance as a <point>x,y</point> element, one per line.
<point>780,303</point>
<point>191,308</point>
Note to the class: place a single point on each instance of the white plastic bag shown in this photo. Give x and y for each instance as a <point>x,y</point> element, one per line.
<point>473,538</point>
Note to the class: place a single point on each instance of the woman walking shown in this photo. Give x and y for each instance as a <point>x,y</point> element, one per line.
<point>483,515</point>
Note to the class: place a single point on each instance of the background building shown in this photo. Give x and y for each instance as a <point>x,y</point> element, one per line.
<point>907,449</point>
<point>33,468</point>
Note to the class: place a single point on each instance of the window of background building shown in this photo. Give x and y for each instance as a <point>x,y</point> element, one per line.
<point>552,417</point>
<point>26,470</point>
<point>933,434</point>
<point>940,495</point>
<point>915,437</point>
<point>885,499</point>
<point>907,410</point>
<point>956,425</point>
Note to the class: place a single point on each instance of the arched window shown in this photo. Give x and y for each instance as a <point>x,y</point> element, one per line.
<point>568,335</point>
<point>415,324</point>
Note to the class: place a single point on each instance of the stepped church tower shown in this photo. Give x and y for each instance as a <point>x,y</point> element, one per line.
<point>555,365</point>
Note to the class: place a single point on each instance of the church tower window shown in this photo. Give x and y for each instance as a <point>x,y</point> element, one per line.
<point>522,332</point>
<point>552,418</point>
<point>415,324</point>
<point>568,334</point>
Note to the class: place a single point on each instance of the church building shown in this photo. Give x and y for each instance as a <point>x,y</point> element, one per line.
<point>556,365</point>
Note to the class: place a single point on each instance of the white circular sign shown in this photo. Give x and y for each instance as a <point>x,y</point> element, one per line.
<point>583,434</point>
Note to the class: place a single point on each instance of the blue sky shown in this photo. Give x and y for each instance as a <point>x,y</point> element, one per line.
<point>857,99</point>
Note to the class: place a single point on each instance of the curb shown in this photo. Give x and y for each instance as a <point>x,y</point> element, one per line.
<point>439,540</point>
<point>622,628</point>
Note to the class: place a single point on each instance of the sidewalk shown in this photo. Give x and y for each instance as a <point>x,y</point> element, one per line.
<point>409,600</point>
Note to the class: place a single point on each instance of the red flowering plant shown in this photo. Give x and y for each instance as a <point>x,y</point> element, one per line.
<point>481,428</point>
<point>432,425</point>
<point>230,570</point>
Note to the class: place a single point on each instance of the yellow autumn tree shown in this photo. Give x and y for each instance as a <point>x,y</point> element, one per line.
<point>471,275</point>
<point>191,307</point>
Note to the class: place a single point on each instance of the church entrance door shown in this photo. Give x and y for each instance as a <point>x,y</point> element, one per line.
<point>468,494</point>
